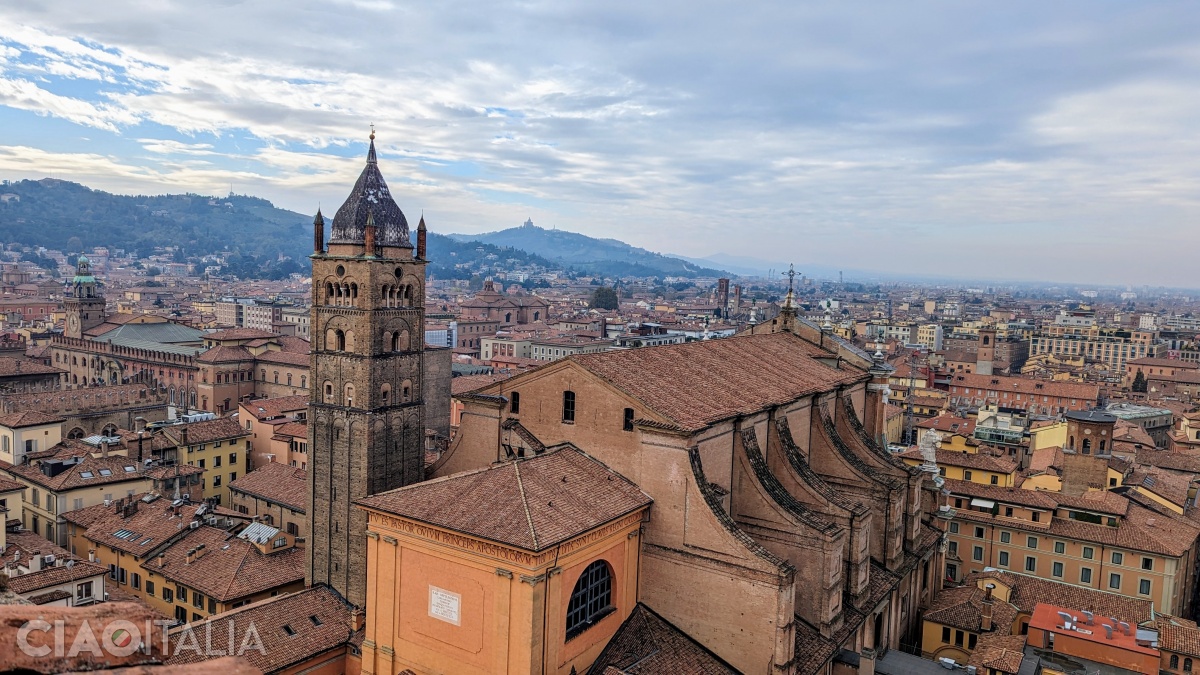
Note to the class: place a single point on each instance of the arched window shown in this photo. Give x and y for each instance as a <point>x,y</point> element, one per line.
<point>1101,446</point>
<point>591,600</point>
<point>1174,662</point>
<point>406,391</point>
<point>339,337</point>
<point>508,317</point>
<point>276,376</point>
<point>536,315</point>
<point>385,394</point>
<point>304,382</point>
<point>1087,446</point>
<point>1187,665</point>
<point>328,391</point>
<point>349,402</point>
<point>328,292</point>
<point>1072,443</point>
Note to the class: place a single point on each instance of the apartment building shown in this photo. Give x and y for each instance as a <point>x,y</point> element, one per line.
<point>1099,540</point>
<point>1113,347</point>
<point>220,447</point>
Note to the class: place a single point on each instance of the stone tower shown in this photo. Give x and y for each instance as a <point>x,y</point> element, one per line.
<point>85,305</point>
<point>366,427</point>
<point>987,351</point>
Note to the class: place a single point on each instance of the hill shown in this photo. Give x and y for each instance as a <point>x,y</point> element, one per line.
<point>260,240</point>
<point>608,257</point>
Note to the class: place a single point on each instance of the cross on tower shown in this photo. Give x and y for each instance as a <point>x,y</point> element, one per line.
<point>791,275</point>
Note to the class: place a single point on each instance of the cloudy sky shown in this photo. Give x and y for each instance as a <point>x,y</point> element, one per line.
<point>1025,140</point>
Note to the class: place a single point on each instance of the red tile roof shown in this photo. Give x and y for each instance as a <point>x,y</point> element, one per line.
<point>303,638</point>
<point>53,576</point>
<point>722,378</point>
<point>277,483</point>
<point>269,408</point>
<point>230,568</point>
<point>29,418</point>
<point>532,504</point>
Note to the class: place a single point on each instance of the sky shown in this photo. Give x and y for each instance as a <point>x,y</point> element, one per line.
<point>1042,140</point>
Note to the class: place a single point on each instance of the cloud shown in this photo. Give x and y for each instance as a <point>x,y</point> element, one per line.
<point>876,135</point>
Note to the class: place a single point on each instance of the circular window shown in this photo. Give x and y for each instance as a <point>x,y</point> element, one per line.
<point>341,270</point>
<point>399,272</point>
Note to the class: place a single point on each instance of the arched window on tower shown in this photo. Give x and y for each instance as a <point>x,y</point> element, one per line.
<point>591,600</point>
<point>385,394</point>
<point>328,391</point>
<point>406,391</point>
<point>349,398</point>
<point>339,340</point>
<point>328,293</point>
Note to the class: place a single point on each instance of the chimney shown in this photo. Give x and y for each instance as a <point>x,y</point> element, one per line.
<point>421,238</point>
<point>184,435</point>
<point>319,233</point>
<point>369,235</point>
<point>985,622</point>
<point>92,555</point>
<point>160,559</point>
<point>104,448</point>
<point>356,620</point>
<point>199,552</point>
<point>190,555</point>
<point>35,562</point>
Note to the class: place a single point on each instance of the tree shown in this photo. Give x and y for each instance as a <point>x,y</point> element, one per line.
<point>74,245</point>
<point>604,298</point>
<point>1139,382</point>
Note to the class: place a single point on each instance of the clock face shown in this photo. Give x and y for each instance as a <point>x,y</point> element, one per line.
<point>73,322</point>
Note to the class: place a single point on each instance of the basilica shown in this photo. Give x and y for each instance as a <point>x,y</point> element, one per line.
<point>718,506</point>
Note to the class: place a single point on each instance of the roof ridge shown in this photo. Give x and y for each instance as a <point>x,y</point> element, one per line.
<point>525,504</point>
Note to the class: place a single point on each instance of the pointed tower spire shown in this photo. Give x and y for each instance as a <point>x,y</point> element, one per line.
<point>319,232</point>
<point>371,153</point>
<point>421,238</point>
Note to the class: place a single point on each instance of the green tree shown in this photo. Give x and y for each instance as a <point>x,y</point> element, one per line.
<point>74,245</point>
<point>604,298</point>
<point>1139,382</point>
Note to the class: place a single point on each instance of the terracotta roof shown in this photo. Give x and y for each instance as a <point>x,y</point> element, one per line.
<point>170,471</point>
<point>277,483</point>
<point>284,358</point>
<point>532,504</point>
<point>53,576</point>
<point>724,378</point>
<point>290,430</point>
<point>952,424</point>
<point>230,568</point>
<point>303,638</point>
<point>971,460</point>
<point>1001,383</point>
<point>29,418</point>
<point>22,544</point>
<point>963,608</point>
<point>7,485</point>
<point>999,652</point>
<point>1164,363</point>
<point>147,528</point>
<point>88,472</point>
<point>17,366</point>
<point>1178,637</point>
<point>294,345</point>
<point>268,408</point>
<point>207,431</point>
<point>647,644</point>
<point>466,383</point>
<point>223,354</point>
<point>239,334</point>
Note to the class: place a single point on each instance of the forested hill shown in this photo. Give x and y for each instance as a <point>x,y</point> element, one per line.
<point>259,240</point>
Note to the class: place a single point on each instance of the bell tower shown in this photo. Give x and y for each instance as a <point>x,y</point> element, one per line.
<point>366,426</point>
<point>85,306</point>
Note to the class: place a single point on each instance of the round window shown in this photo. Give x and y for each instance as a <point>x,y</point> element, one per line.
<point>341,270</point>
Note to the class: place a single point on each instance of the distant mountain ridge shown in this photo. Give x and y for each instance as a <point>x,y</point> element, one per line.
<point>259,239</point>
<point>608,257</point>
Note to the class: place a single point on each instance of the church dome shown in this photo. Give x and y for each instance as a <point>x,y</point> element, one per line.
<point>370,196</point>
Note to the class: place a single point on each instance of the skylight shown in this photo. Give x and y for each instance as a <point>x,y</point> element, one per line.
<point>105,472</point>
<point>130,469</point>
<point>87,474</point>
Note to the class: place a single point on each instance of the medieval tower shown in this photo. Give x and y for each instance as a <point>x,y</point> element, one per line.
<point>85,305</point>
<point>366,426</point>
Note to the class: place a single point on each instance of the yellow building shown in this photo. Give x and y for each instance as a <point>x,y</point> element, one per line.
<point>1099,540</point>
<point>978,467</point>
<point>176,560</point>
<point>539,584</point>
<point>26,432</point>
<point>999,603</point>
<point>221,447</point>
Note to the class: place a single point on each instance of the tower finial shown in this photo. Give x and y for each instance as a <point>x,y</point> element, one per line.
<point>371,151</point>
<point>372,132</point>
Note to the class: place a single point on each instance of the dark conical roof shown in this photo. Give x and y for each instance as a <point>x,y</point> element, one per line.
<point>370,196</point>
